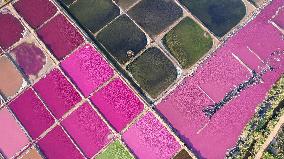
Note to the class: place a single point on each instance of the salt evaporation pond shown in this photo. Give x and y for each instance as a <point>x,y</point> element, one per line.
<point>211,139</point>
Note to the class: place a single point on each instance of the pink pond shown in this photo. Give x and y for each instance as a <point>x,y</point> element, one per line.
<point>87,69</point>
<point>185,101</point>
<point>118,103</point>
<point>56,144</point>
<point>185,105</point>
<point>87,129</point>
<point>32,114</point>
<point>35,12</point>
<point>58,94</point>
<point>30,58</point>
<point>12,138</point>
<point>11,30</point>
<point>221,72</point>
<point>248,57</point>
<point>260,36</point>
<point>211,139</point>
<point>149,139</point>
<point>60,36</point>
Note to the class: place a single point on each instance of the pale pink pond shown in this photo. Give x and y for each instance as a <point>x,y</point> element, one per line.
<point>56,144</point>
<point>31,113</point>
<point>87,129</point>
<point>57,92</point>
<point>149,139</point>
<point>12,138</point>
<point>185,103</point>
<point>118,103</point>
<point>87,69</point>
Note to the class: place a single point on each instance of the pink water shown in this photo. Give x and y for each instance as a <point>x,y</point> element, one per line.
<point>87,129</point>
<point>11,30</point>
<point>56,144</point>
<point>31,113</point>
<point>35,12</point>
<point>260,36</point>
<point>149,139</point>
<point>221,72</point>
<point>87,68</point>
<point>180,106</point>
<point>58,94</point>
<point>60,36</point>
<point>249,58</point>
<point>185,103</point>
<point>118,104</point>
<point>12,138</point>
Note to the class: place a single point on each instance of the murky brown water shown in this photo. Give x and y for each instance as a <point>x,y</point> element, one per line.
<point>10,78</point>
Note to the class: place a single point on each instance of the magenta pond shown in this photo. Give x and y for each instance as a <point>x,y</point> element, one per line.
<point>32,113</point>
<point>148,138</point>
<point>57,92</point>
<point>118,103</point>
<point>56,144</point>
<point>60,36</point>
<point>87,129</point>
<point>11,29</point>
<point>87,68</point>
<point>35,12</point>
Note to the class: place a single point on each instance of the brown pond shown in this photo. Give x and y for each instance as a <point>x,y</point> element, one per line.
<point>10,78</point>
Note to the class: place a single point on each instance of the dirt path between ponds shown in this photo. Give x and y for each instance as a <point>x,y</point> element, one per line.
<point>270,137</point>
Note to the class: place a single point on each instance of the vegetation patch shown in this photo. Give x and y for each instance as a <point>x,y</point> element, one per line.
<point>155,15</point>
<point>262,123</point>
<point>220,16</point>
<point>94,14</point>
<point>123,39</point>
<point>275,150</point>
<point>115,151</point>
<point>187,42</point>
<point>153,71</point>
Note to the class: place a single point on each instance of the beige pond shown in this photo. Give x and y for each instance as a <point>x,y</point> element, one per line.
<point>10,78</point>
<point>31,154</point>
